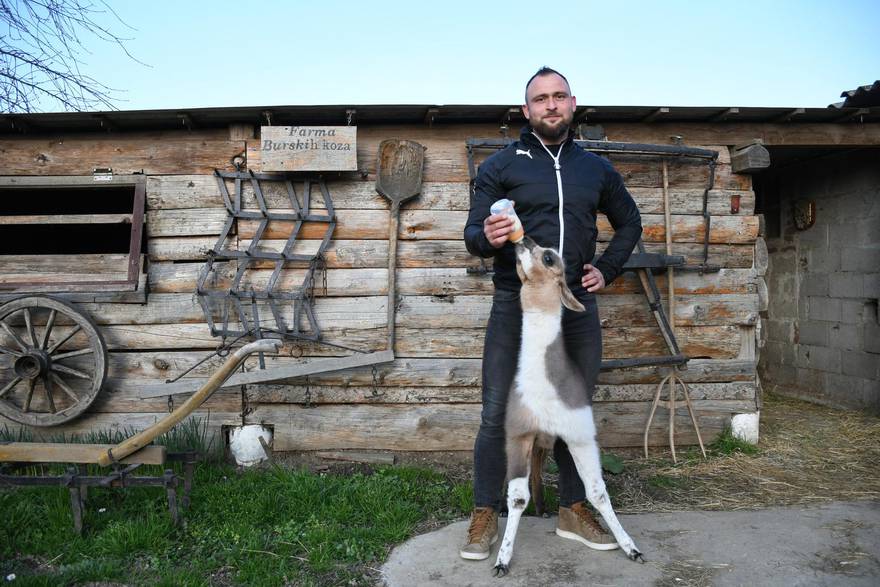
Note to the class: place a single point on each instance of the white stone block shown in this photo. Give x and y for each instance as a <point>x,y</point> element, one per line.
<point>745,427</point>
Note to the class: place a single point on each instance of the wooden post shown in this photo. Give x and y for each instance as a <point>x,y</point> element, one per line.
<point>187,478</point>
<point>76,506</point>
<point>667,213</point>
<point>171,489</point>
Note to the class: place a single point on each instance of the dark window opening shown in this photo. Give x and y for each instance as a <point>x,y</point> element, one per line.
<point>46,222</point>
<point>66,220</point>
<point>64,239</point>
<point>67,200</point>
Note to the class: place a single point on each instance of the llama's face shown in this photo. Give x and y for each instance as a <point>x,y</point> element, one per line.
<point>534,263</point>
<point>542,273</point>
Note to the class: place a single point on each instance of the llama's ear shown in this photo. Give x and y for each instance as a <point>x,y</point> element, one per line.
<point>568,299</point>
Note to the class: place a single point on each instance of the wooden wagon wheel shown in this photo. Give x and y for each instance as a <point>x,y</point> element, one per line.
<point>53,361</point>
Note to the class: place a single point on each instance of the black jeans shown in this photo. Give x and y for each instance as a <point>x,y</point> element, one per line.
<point>583,341</point>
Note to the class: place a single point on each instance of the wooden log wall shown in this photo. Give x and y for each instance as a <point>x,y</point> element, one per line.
<point>428,398</point>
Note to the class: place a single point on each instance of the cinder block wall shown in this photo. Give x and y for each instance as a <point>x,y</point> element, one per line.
<point>823,334</point>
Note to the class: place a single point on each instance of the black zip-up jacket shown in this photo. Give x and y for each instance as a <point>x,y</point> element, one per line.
<point>524,172</point>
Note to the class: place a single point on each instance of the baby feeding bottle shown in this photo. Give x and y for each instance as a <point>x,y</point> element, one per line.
<point>505,206</point>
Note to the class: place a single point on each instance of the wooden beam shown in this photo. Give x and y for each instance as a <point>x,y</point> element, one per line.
<point>156,153</point>
<point>750,159</point>
<point>725,114</point>
<point>853,114</point>
<point>167,192</point>
<point>274,374</point>
<point>790,115</point>
<point>420,225</point>
<point>319,393</point>
<point>106,123</point>
<point>447,161</point>
<point>92,421</point>
<point>52,181</point>
<point>508,116</point>
<point>704,133</point>
<point>762,257</point>
<point>239,131</point>
<point>350,254</point>
<point>719,342</point>
<point>454,426</point>
<point>130,371</point>
<point>51,452</point>
<point>582,115</point>
<point>68,219</point>
<point>186,120</point>
<point>74,294</point>
<point>166,277</point>
<point>658,113</point>
<point>18,124</point>
<point>374,458</point>
<point>439,225</point>
<point>430,115</point>
<point>427,311</point>
<point>121,396</point>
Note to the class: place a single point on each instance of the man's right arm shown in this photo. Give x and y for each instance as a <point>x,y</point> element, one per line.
<point>480,224</point>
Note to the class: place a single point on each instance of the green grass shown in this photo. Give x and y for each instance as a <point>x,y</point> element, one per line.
<point>258,527</point>
<point>666,482</point>
<point>726,444</point>
<point>611,463</point>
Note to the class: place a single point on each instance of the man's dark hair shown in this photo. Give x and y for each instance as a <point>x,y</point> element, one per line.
<point>542,72</point>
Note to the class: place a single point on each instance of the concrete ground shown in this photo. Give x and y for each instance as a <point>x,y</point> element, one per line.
<point>831,544</point>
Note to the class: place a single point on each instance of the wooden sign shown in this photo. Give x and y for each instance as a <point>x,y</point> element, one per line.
<point>308,148</point>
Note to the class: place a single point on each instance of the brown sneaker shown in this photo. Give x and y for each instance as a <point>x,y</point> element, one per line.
<point>578,523</point>
<point>482,534</point>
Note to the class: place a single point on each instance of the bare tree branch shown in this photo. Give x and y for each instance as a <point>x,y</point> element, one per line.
<point>43,55</point>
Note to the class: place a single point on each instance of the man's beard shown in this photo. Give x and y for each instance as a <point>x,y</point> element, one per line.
<point>551,133</point>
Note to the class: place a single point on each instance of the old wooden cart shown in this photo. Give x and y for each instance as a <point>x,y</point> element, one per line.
<point>37,360</point>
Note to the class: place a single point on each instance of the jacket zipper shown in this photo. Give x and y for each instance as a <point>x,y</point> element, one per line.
<point>558,169</point>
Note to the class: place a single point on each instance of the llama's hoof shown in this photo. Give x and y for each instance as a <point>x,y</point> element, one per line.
<point>501,570</point>
<point>636,556</point>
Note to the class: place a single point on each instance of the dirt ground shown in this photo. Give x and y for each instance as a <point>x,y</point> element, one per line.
<point>807,454</point>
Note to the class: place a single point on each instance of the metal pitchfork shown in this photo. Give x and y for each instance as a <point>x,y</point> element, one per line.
<point>667,328</point>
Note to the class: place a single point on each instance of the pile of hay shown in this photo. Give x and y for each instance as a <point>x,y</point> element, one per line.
<point>807,454</point>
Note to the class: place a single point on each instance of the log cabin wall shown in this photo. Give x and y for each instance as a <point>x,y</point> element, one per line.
<point>429,397</point>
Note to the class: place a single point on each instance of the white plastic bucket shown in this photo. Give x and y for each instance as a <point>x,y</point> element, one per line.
<point>244,444</point>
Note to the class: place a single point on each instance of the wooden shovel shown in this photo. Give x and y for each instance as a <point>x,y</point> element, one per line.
<point>398,178</point>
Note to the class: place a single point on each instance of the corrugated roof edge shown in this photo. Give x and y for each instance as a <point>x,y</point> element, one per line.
<point>196,118</point>
<point>861,97</point>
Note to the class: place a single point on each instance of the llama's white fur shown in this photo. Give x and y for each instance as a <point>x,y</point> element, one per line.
<point>534,388</point>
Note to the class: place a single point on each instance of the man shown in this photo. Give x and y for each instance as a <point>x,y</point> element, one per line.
<point>557,188</point>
